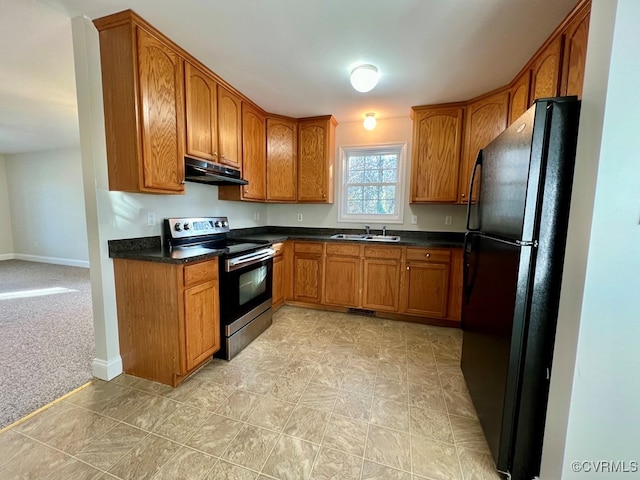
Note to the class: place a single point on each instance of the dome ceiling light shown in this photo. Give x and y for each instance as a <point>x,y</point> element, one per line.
<point>364,77</point>
<point>369,121</point>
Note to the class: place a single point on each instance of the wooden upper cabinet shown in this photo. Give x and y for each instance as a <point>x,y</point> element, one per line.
<point>485,119</point>
<point>253,153</point>
<point>229,128</point>
<point>201,113</point>
<point>575,52</point>
<point>282,159</point>
<point>519,97</point>
<point>316,159</point>
<point>435,160</point>
<point>143,93</point>
<point>545,71</point>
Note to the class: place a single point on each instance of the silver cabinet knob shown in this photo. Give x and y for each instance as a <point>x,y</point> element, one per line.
<point>428,255</point>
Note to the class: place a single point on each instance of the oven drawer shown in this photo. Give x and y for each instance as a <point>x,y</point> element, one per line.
<point>200,272</point>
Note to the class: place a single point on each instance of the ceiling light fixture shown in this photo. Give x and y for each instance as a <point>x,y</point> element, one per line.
<point>369,121</point>
<point>364,77</point>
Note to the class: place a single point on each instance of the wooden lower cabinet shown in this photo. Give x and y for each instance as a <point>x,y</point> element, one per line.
<point>342,275</point>
<point>402,282</point>
<point>426,282</point>
<point>381,278</point>
<point>307,271</point>
<point>168,317</point>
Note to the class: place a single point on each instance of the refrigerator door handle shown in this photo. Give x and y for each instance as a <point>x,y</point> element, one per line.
<point>471,182</point>
<point>467,280</point>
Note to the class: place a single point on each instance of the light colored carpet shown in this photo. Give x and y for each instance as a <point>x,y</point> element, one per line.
<point>46,342</point>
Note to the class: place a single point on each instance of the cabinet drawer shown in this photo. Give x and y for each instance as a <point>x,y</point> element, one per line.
<point>279,249</point>
<point>439,255</point>
<point>200,272</point>
<point>345,249</point>
<point>308,247</point>
<point>382,252</point>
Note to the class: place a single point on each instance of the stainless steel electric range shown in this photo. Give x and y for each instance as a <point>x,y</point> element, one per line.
<point>245,276</point>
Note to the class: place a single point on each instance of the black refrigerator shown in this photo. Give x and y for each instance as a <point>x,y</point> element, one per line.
<point>514,253</point>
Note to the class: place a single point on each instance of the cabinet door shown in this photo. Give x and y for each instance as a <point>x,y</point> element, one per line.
<point>342,281</point>
<point>253,154</point>
<point>161,83</point>
<point>545,71</point>
<point>278,281</point>
<point>575,53</point>
<point>519,96</point>
<point>307,277</point>
<point>435,162</point>
<point>202,113</point>
<point>381,280</point>
<point>202,322</point>
<point>316,160</point>
<point>229,128</point>
<point>485,119</point>
<point>282,158</point>
<point>427,289</point>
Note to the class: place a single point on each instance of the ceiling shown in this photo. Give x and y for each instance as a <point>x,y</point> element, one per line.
<point>292,57</point>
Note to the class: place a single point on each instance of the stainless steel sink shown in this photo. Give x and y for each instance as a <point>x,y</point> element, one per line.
<point>366,238</point>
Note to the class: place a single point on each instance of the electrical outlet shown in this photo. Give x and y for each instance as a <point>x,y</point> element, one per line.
<point>414,219</point>
<point>448,220</point>
<point>151,218</point>
<point>299,217</point>
<point>256,216</point>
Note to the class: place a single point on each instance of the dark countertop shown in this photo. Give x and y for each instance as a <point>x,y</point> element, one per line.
<point>407,238</point>
<point>150,248</point>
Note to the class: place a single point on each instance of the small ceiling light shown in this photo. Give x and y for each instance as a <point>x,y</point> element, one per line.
<point>364,77</point>
<point>369,121</point>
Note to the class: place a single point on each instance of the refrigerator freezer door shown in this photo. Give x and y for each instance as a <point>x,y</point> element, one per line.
<point>510,177</point>
<point>492,316</point>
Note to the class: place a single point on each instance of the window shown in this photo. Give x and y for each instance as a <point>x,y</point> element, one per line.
<point>372,183</point>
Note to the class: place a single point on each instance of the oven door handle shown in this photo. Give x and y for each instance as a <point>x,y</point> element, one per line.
<point>249,259</point>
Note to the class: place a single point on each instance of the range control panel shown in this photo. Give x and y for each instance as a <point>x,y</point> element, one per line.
<point>195,226</point>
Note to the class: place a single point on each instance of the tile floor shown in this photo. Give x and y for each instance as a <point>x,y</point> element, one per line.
<point>319,396</point>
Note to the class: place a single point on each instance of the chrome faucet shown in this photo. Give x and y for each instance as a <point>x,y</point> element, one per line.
<point>367,229</point>
<point>384,231</point>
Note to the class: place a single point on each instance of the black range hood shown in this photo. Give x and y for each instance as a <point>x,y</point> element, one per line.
<point>202,171</point>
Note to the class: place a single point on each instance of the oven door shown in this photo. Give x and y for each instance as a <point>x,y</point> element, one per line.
<point>243,289</point>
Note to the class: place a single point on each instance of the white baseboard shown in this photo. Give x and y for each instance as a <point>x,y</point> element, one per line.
<point>106,370</point>
<point>7,256</point>
<point>55,260</point>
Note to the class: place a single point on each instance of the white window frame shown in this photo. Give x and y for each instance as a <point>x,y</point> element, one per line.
<point>345,217</point>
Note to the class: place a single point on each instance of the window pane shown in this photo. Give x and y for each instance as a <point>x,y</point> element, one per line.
<point>372,176</point>
<point>354,193</point>
<point>390,161</point>
<point>388,192</point>
<point>371,193</point>
<point>356,162</point>
<point>388,206</point>
<point>372,161</point>
<point>370,207</point>
<point>388,176</point>
<point>356,176</point>
<point>354,207</point>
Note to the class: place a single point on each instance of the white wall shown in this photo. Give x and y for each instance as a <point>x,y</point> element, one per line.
<point>597,404</point>
<point>393,130</point>
<point>6,235</point>
<point>47,206</point>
